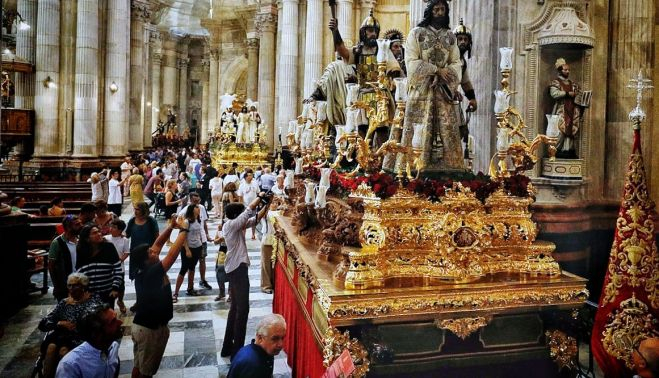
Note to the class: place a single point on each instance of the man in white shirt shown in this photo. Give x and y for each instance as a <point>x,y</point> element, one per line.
<point>126,169</point>
<point>203,218</point>
<point>247,191</point>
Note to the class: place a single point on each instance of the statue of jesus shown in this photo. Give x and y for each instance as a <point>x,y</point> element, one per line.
<point>434,73</point>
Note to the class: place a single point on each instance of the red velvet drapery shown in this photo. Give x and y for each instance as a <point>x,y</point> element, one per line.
<point>304,355</point>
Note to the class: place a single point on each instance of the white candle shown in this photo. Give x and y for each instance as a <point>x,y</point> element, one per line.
<point>501,101</point>
<point>352,93</point>
<point>401,89</point>
<point>305,110</point>
<point>417,137</point>
<point>502,139</point>
<point>383,46</point>
<point>292,125</point>
<point>350,121</point>
<point>506,58</point>
<point>322,111</point>
<point>289,180</point>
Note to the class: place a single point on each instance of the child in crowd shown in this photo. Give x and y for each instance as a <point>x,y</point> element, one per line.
<point>220,274</point>
<point>43,210</point>
<point>56,207</point>
<point>122,245</point>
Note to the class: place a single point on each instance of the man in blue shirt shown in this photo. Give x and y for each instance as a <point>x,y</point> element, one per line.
<point>256,360</point>
<point>98,356</point>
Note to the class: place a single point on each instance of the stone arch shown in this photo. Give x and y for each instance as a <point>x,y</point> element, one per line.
<point>232,74</point>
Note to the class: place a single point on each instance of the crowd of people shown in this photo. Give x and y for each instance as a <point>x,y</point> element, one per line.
<point>86,261</point>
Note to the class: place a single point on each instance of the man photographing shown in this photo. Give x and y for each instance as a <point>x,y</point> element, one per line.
<point>239,219</point>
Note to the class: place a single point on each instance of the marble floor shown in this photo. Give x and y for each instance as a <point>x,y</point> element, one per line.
<point>197,328</point>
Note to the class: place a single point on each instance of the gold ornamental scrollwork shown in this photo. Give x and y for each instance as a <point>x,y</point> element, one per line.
<point>562,349</point>
<point>629,325</point>
<point>463,327</point>
<point>336,342</point>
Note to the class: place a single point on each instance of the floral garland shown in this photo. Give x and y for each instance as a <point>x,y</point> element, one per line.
<point>384,185</point>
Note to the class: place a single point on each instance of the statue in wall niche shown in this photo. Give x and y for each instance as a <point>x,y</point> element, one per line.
<point>569,104</point>
<point>7,90</point>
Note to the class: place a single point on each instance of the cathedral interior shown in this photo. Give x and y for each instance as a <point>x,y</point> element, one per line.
<point>86,83</point>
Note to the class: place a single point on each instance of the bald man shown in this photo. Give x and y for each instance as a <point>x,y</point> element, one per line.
<point>646,358</point>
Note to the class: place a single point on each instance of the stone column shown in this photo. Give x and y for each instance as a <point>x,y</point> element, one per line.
<point>182,117</point>
<point>85,119</point>
<point>169,75</point>
<point>213,80</point>
<point>266,24</point>
<point>205,64</point>
<point>47,65</point>
<point>628,53</point>
<point>416,12</point>
<point>156,60</point>
<point>116,72</point>
<point>25,48</point>
<point>288,98</point>
<point>346,18</point>
<point>313,52</point>
<point>252,67</point>
<point>140,13</point>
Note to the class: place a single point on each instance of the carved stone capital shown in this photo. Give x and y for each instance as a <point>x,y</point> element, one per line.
<point>266,22</point>
<point>140,10</point>
<point>182,63</point>
<point>214,54</point>
<point>253,43</point>
<point>155,38</point>
<point>156,57</point>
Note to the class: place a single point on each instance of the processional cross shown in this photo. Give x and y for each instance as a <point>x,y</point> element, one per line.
<point>640,83</point>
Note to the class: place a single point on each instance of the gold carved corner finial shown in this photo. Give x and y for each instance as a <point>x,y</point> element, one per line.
<point>335,342</point>
<point>562,349</point>
<point>463,327</point>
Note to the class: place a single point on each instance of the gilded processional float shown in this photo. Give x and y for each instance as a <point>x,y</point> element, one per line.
<point>410,271</point>
<point>241,136</point>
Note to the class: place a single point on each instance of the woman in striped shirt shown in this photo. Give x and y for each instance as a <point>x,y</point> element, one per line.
<point>98,260</point>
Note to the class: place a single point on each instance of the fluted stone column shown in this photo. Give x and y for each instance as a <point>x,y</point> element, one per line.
<point>47,65</point>
<point>116,72</point>
<point>266,24</point>
<point>25,48</point>
<point>346,19</point>
<point>288,97</point>
<point>169,75</point>
<point>213,80</point>
<point>85,119</point>
<point>205,64</point>
<point>313,54</point>
<point>416,12</point>
<point>628,54</point>
<point>140,13</point>
<point>252,67</point>
<point>156,59</point>
<point>183,61</point>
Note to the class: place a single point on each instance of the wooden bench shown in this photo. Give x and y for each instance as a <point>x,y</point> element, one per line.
<point>38,264</point>
<point>48,195</point>
<point>41,234</point>
<point>69,210</point>
<point>38,204</point>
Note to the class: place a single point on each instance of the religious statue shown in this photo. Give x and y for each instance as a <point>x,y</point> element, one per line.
<point>7,89</point>
<point>569,104</point>
<point>254,123</point>
<point>464,40</point>
<point>242,135</point>
<point>434,72</point>
<point>228,122</point>
<point>171,117</point>
<point>364,57</point>
<point>226,100</point>
<point>397,49</point>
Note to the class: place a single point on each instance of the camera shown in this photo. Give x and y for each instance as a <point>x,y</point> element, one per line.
<point>266,198</point>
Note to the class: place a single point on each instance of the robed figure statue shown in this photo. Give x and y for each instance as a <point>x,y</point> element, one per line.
<point>434,73</point>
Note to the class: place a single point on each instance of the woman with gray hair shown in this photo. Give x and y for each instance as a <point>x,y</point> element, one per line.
<point>63,320</point>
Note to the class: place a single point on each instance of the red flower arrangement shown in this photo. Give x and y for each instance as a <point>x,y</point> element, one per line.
<point>384,185</point>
